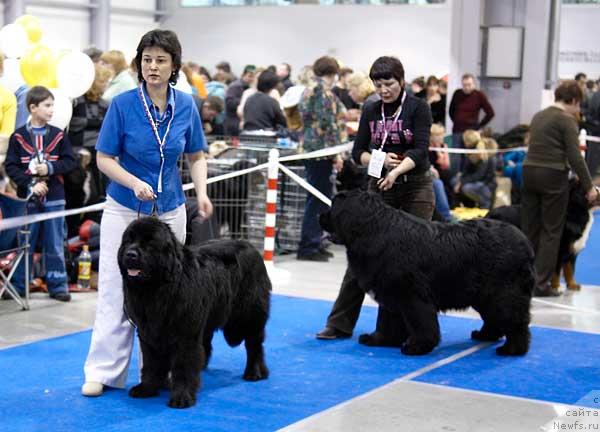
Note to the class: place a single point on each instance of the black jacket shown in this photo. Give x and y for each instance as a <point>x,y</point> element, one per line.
<point>57,153</point>
<point>408,138</point>
<point>261,111</point>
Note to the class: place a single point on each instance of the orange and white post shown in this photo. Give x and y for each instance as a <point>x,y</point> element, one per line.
<point>271,206</point>
<point>279,277</point>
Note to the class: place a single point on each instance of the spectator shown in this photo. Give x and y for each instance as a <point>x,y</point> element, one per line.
<point>477,178</point>
<point>262,111</point>
<point>436,101</point>
<point>223,69</point>
<point>341,89</point>
<point>404,183</point>
<point>22,111</point>
<point>8,114</point>
<point>122,79</point>
<point>465,107</point>
<point>195,79</point>
<point>210,108</point>
<point>138,126</point>
<point>581,79</point>
<point>93,53</point>
<point>513,169</point>
<point>553,149</point>
<point>443,87</point>
<point>233,97</point>
<point>217,86</point>
<point>88,114</point>
<point>284,72</point>
<point>440,163</point>
<point>362,91</point>
<point>274,93</point>
<point>418,87</point>
<point>320,109</point>
<point>38,156</point>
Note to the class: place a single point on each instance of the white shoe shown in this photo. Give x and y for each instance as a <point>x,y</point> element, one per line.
<point>91,388</point>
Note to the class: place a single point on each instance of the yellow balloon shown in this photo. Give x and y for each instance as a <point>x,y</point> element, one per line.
<point>31,25</point>
<point>38,66</point>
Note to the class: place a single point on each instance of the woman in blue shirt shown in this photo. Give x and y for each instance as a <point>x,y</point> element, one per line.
<point>143,135</point>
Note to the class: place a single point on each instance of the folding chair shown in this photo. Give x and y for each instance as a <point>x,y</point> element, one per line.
<point>11,252</point>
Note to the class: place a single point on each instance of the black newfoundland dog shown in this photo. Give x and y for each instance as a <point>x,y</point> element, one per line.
<point>414,268</point>
<point>178,296</point>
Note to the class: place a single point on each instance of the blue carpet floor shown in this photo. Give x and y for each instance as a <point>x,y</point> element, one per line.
<point>40,382</point>
<point>587,271</point>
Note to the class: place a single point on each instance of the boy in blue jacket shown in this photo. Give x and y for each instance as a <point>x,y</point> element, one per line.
<point>38,156</point>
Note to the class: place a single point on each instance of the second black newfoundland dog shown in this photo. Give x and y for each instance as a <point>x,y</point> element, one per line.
<point>178,296</point>
<point>414,268</point>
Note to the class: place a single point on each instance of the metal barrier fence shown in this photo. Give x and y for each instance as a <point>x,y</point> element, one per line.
<point>239,202</point>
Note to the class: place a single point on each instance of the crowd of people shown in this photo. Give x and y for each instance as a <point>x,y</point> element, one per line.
<point>325,105</point>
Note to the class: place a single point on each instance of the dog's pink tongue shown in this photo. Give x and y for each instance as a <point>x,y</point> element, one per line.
<point>133,272</point>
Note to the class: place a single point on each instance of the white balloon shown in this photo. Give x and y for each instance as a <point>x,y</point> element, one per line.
<point>75,74</point>
<point>12,78</point>
<point>13,40</point>
<point>63,109</point>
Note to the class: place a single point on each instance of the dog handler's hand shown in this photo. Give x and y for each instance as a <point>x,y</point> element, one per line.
<point>391,160</point>
<point>592,195</point>
<point>205,207</point>
<point>388,181</point>
<point>143,191</point>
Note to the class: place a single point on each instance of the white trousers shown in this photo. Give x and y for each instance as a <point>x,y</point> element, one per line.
<point>112,338</point>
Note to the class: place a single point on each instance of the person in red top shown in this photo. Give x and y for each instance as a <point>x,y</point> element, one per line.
<point>465,107</point>
<point>464,111</point>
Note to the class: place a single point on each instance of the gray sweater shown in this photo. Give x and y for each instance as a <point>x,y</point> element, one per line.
<point>554,143</point>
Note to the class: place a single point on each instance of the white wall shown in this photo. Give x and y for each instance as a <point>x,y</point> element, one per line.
<point>356,35</point>
<point>579,41</point>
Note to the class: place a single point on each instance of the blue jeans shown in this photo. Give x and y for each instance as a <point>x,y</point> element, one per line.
<point>318,174</point>
<point>441,200</point>
<point>53,239</point>
<point>457,160</point>
<point>479,192</point>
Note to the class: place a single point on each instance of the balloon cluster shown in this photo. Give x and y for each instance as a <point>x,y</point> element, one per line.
<point>67,75</point>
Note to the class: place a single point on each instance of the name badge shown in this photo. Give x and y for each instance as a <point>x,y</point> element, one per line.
<point>376,163</point>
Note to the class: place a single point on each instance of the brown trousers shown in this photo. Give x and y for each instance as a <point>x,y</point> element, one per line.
<point>544,201</point>
<point>415,197</point>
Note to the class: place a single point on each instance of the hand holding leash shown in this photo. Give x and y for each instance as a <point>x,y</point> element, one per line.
<point>205,207</point>
<point>143,191</point>
<point>40,189</point>
<point>592,195</point>
<point>388,181</point>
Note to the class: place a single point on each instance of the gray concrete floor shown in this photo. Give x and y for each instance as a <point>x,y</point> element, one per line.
<point>400,405</point>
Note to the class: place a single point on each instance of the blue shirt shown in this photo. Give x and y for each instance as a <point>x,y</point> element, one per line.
<point>22,112</point>
<point>127,134</point>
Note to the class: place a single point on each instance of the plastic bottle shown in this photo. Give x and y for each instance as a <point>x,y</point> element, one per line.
<point>84,269</point>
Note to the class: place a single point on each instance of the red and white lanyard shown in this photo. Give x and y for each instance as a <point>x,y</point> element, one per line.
<point>387,130</point>
<point>161,143</point>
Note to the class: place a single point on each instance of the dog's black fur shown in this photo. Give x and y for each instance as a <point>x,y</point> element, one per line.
<point>415,268</point>
<point>181,296</point>
<point>577,226</point>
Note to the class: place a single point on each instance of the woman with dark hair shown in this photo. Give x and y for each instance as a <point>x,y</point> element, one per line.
<point>144,133</point>
<point>261,111</point>
<point>321,110</point>
<point>393,142</point>
<point>436,100</point>
<point>553,152</point>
